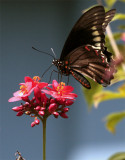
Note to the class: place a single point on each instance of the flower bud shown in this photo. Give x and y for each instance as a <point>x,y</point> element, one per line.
<point>44,99</point>
<point>42,108</point>
<point>61,101</point>
<point>17,108</point>
<point>52,107</point>
<point>20,113</point>
<point>37,121</point>
<point>37,108</point>
<point>52,101</point>
<point>27,112</point>
<point>33,124</point>
<point>65,110</point>
<point>64,115</point>
<point>56,114</point>
<point>26,99</point>
<point>41,113</point>
<point>69,103</point>
<point>37,94</point>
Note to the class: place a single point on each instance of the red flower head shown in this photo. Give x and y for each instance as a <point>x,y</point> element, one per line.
<point>40,106</point>
<point>27,88</point>
<point>60,91</point>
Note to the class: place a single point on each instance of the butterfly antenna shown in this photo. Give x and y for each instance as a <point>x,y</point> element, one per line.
<point>43,52</point>
<point>53,52</point>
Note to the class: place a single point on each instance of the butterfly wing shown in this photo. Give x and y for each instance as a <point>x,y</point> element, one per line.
<point>89,29</point>
<point>86,61</point>
<point>108,17</point>
<point>79,77</point>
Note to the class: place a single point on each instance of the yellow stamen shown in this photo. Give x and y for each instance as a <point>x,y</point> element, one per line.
<point>60,87</point>
<point>23,89</point>
<point>36,78</point>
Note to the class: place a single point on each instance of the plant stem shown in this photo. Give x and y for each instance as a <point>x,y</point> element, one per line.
<point>112,41</point>
<point>44,138</point>
<point>113,44</point>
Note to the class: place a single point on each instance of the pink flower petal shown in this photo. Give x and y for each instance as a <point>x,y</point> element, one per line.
<point>28,79</point>
<point>68,89</point>
<point>42,85</point>
<point>14,99</point>
<point>55,84</point>
<point>47,92</point>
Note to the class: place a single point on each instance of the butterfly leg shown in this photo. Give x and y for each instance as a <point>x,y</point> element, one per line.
<point>46,71</point>
<point>51,75</point>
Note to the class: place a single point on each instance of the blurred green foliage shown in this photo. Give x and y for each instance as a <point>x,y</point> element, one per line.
<point>118,156</point>
<point>97,94</point>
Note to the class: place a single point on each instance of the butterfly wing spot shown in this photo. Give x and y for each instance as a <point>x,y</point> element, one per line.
<point>98,38</point>
<point>86,47</point>
<point>66,67</point>
<point>94,27</point>
<point>66,62</point>
<point>96,52</point>
<point>80,78</point>
<point>95,33</point>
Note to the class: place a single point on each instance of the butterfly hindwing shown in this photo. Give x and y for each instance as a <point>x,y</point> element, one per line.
<point>91,63</point>
<point>80,78</point>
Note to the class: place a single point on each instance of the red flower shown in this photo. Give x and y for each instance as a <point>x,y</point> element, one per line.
<point>27,88</point>
<point>40,106</point>
<point>59,90</point>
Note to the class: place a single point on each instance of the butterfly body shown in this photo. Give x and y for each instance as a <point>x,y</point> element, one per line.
<point>84,52</point>
<point>63,66</point>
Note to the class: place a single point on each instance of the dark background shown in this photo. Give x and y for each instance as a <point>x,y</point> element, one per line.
<point>45,25</point>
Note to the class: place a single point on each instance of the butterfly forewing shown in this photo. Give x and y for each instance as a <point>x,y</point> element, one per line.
<point>108,17</point>
<point>87,30</point>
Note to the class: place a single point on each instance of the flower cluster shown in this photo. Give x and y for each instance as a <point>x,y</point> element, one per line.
<point>41,106</point>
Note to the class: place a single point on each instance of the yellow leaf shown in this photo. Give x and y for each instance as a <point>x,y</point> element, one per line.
<point>107,95</point>
<point>113,119</point>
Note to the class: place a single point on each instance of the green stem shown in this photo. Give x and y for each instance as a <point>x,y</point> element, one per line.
<point>44,138</point>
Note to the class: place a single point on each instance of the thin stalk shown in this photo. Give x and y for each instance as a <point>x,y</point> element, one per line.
<point>112,41</point>
<point>113,44</point>
<point>44,138</point>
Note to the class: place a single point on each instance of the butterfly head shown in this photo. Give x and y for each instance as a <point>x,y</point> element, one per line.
<point>62,66</point>
<point>56,62</point>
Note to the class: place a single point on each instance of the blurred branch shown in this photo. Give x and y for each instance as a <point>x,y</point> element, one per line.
<point>113,44</point>
<point>112,41</point>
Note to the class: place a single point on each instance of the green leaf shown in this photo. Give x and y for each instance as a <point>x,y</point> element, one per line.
<point>113,119</point>
<point>89,93</point>
<point>118,156</point>
<point>119,16</point>
<point>122,49</point>
<point>122,27</point>
<point>108,95</point>
<point>119,76</point>
<point>110,3</point>
<point>122,0</point>
<point>117,36</point>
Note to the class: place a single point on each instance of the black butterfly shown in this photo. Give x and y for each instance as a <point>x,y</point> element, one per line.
<point>84,53</point>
